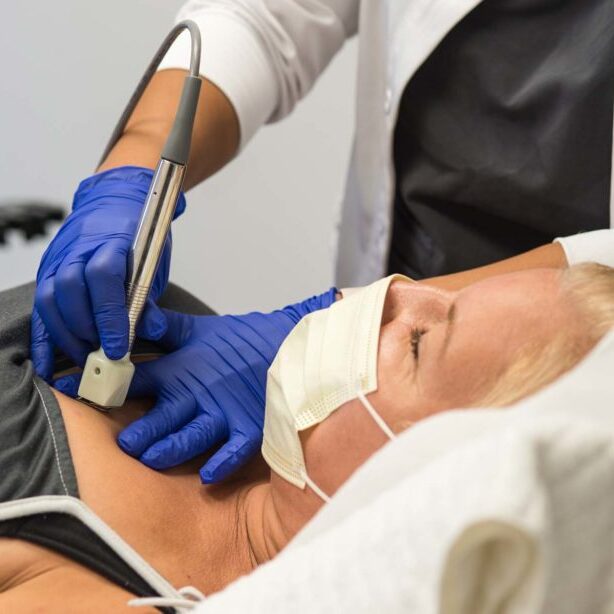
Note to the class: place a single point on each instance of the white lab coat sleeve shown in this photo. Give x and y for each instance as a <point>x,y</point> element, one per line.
<point>265,55</point>
<point>594,246</point>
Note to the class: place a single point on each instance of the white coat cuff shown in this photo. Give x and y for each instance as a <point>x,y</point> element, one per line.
<point>594,246</point>
<point>234,60</point>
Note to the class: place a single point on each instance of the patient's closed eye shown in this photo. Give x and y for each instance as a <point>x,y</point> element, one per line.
<point>415,336</point>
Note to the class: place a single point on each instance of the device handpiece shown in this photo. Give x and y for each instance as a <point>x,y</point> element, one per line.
<point>105,382</point>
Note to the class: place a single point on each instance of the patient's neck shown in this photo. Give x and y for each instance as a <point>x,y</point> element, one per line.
<point>267,533</point>
<point>214,535</point>
<point>274,513</point>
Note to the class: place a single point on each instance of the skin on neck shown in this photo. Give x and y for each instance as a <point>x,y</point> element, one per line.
<point>274,512</point>
<point>220,531</point>
<point>265,531</point>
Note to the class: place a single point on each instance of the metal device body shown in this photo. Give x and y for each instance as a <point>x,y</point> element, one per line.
<point>105,382</point>
<point>151,236</point>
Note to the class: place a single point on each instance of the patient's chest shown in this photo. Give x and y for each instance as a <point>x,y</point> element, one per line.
<point>189,532</point>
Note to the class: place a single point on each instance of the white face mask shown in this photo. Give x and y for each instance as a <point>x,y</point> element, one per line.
<point>329,358</point>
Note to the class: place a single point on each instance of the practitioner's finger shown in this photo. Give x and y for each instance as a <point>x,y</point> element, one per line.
<point>105,275</point>
<point>193,439</point>
<point>179,329</point>
<point>45,305</point>
<point>68,384</point>
<point>232,455</point>
<point>167,416</point>
<point>41,347</point>
<point>148,379</point>
<point>73,300</point>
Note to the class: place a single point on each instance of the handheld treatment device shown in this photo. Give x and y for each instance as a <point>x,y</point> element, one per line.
<point>105,382</point>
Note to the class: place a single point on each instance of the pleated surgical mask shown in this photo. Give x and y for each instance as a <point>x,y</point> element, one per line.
<point>328,359</point>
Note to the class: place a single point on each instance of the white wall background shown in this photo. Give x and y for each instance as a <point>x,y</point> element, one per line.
<point>257,235</point>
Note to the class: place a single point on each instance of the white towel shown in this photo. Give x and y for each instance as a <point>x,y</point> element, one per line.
<point>469,512</point>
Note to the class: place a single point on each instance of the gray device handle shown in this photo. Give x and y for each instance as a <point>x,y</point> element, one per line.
<point>177,146</point>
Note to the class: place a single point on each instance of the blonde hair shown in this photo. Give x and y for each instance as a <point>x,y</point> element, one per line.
<point>589,288</point>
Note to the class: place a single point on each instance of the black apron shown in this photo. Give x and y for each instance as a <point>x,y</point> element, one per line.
<point>504,136</point>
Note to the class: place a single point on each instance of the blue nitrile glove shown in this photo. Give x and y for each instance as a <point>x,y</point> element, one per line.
<point>80,294</point>
<point>210,389</point>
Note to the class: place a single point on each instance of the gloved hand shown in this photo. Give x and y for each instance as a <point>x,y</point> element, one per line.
<point>210,389</point>
<point>80,295</point>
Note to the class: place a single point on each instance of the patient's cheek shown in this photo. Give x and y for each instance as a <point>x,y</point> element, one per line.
<point>333,450</point>
<point>336,447</point>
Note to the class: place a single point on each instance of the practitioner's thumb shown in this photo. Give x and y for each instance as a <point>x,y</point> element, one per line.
<point>68,384</point>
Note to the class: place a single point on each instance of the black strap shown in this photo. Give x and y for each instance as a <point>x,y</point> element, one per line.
<point>68,536</point>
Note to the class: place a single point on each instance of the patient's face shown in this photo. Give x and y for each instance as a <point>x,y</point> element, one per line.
<point>438,350</point>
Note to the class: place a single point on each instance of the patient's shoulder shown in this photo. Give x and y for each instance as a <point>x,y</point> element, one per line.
<point>33,578</point>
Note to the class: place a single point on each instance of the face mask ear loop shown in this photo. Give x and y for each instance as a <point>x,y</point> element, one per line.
<point>315,487</point>
<point>378,419</point>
